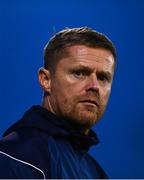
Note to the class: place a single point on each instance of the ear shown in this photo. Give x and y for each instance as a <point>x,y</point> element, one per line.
<point>45,79</point>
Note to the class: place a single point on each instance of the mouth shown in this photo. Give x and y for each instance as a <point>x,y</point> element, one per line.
<point>90,102</point>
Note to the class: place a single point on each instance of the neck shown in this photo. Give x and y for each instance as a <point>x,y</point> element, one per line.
<point>47,105</point>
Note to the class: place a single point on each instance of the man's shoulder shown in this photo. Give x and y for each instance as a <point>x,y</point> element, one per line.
<point>26,144</point>
<point>24,149</point>
<point>11,167</point>
<point>21,139</point>
<point>24,141</point>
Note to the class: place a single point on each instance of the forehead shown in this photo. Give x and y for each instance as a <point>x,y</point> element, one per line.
<point>80,54</point>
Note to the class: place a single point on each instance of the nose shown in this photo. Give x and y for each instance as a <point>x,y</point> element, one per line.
<point>93,84</point>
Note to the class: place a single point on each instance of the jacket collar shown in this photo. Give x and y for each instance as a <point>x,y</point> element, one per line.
<point>40,118</point>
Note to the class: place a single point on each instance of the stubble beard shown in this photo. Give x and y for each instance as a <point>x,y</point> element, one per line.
<point>80,115</point>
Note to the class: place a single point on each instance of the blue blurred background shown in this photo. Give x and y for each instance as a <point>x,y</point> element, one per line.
<point>25,27</point>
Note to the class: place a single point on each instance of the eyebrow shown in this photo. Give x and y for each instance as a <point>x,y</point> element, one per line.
<point>82,67</point>
<point>88,69</point>
<point>106,73</point>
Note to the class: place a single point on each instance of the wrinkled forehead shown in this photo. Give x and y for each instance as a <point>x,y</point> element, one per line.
<point>89,54</point>
<point>83,57</point>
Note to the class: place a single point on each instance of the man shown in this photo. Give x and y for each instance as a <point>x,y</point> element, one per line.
<point>52,140</point>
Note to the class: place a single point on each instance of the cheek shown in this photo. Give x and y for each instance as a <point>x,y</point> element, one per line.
<point>105,95</point>
<point>69,98</point>
<point>66,93</point>
<point>70,92</point>
<point>63,97</point>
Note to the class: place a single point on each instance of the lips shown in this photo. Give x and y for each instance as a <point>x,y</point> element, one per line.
<point>92,102</point>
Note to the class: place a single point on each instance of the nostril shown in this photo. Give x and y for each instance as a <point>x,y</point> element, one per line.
<point>93,88</point>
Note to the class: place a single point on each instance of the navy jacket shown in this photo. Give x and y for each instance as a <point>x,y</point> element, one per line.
<point>44,146</point>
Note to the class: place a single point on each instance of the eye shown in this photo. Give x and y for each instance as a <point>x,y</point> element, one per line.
<point>103,78</point>
<point>79,73</point>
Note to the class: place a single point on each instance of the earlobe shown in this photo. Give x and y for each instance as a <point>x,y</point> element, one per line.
<point>44,79</point>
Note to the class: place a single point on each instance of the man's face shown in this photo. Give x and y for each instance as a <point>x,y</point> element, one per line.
<point>81,85</point>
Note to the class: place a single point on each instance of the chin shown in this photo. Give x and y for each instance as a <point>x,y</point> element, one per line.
<point>86,119</point>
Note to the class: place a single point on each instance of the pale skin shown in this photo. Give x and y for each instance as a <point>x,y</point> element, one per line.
<point>79,89</point>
